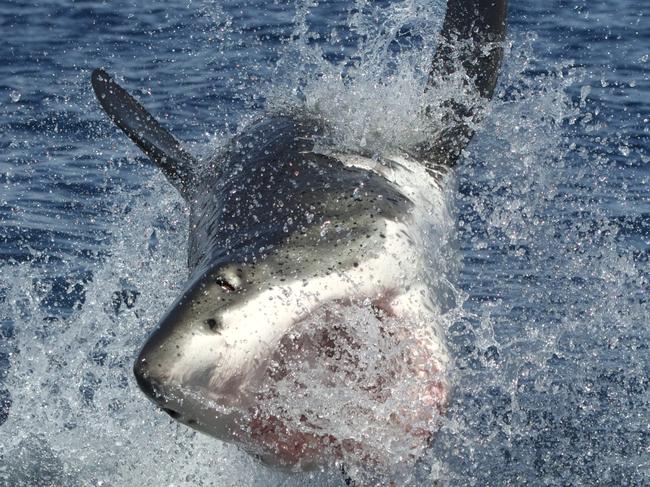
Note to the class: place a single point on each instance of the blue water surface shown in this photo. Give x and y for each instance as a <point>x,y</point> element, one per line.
<point>550,340</point>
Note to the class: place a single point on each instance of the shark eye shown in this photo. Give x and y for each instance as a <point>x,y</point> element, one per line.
<point>224,284</point>
<point>214,325</point>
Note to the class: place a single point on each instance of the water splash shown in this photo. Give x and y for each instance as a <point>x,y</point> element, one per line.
<point>547,332</point>
<point>373,98</point>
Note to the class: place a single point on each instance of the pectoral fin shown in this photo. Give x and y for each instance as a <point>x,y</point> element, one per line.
<point>143,129</point>
<point>470,45</point>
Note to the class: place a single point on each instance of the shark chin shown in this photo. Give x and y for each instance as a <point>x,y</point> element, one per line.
<point>309,330</point>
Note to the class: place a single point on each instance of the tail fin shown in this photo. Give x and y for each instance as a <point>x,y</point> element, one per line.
<point>471,39</point>
<point>145,131</point>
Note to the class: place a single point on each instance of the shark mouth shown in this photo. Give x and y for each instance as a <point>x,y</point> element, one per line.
<point>351,381</point>
<point>351,378</point>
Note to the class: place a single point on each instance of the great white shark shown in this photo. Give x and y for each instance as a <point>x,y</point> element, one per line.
<point>287,231</point>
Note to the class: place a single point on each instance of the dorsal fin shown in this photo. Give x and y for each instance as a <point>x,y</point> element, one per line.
<point>145,131</point>
<point>471,39</point>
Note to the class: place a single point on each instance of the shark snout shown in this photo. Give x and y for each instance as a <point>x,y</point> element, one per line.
<point>153,389</point>
<point>146,381</point>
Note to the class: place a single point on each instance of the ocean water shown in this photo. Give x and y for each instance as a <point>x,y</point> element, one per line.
<point>550,325</point>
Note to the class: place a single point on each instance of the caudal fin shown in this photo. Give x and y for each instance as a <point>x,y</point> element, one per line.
<point>470,44</point>
<point>145,131</point>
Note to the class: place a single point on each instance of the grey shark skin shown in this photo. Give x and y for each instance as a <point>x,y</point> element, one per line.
<point>285,231</point>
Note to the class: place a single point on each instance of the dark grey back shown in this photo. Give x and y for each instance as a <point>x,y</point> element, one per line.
<point>270,187</point>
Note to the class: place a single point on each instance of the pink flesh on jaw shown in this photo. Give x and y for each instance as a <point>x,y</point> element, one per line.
<point>333,348</point>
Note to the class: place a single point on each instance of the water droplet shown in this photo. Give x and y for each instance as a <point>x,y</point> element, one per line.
<point>324,228</point>
<point>15,96</point>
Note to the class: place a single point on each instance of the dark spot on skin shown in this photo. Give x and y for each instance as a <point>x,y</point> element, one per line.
<point>214,325</point>
<point>356,264</point>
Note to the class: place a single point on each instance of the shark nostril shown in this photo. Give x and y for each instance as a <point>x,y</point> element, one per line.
<point>214,325</point>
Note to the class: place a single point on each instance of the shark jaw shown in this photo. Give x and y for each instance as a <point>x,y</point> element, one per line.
<point>343,382</point>
<point>305,372</point>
